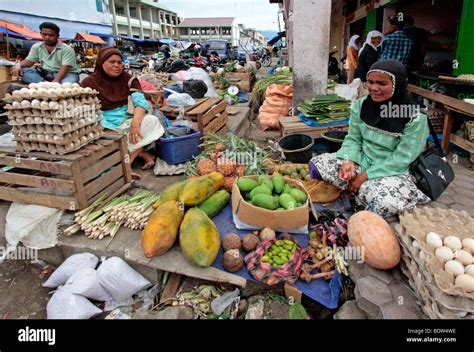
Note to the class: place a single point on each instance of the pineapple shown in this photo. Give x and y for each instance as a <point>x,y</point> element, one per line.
<point>225,166</point>
<point>214,156</point>
<point>206,166</point>
<point>228,183</point>
<point>220,147</point>
<point>240,170</point>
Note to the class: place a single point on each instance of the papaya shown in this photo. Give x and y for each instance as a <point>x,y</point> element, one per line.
<point>200,188</point>
<point>278,183</point>
<point>262,189</point>
<point>171,192</point>
<point>265,201</point>
<point>299,195</point>
<point>287,188</point>
<point>287,201</point>
<point>265,180</point>
<point>246,184</point>
<point>215,203</point>
<point>199,238</point>
<point>161,230</point>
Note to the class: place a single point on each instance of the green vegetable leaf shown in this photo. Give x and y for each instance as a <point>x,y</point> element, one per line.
<point>298,312</point>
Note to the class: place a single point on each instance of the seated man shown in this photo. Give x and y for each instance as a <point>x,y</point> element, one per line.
<point>50,60</point>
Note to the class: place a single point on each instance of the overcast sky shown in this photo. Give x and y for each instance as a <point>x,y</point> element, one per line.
<point>259,14</point>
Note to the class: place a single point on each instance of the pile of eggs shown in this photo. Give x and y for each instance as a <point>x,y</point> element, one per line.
<point>457,256</point>
<point>53,117</point>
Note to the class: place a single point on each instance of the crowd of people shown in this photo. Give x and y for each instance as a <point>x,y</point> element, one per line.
<point>402,42</point>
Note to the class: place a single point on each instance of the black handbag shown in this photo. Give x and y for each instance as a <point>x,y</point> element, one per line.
<point>431,169</point>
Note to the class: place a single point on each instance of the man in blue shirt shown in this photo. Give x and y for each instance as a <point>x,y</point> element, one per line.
<point>397,45</point>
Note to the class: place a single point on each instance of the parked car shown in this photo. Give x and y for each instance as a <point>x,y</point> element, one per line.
<point>223,48</point>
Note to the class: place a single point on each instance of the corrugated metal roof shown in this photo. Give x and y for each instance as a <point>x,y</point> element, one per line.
<point>207,22</point>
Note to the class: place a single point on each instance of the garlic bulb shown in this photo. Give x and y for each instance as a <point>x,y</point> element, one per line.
<point>453,242</point>
<point>454,267</point>
<point>470,270</point>
<point>444,253</point>
<point>433,239</point>
<point>468,245</point>
<point>464,257</point>
<point>466,282</point>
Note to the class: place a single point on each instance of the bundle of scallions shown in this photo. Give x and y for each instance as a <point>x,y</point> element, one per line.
<point>99,221</point>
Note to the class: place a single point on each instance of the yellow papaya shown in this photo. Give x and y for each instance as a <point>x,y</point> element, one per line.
<point>161,230</point>
<point>198,189</point>
<point>171,192</point>
<point>199,238</point>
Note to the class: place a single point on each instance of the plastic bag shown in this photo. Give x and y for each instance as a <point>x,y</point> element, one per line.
<point>180,100</point>
<point>195,88</point>
<point>85,282</point>
<point>349,91</point>
<point>67,305</point>
<point>71,265</point>
<point>196,73</point>
<point>119,279</point>
<point>151,129</point>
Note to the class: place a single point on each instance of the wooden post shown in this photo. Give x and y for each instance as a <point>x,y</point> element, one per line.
<point>126,162</point>
<point>79,182</point>
<point>448,125</point>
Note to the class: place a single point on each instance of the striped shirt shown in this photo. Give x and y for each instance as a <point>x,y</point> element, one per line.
<point>396,46</point>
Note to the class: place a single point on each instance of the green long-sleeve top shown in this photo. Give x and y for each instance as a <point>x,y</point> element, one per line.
<point>379,153</point>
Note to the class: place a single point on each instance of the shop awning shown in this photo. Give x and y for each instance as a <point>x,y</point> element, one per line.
<point>167,41</point>
<point>89,38</point>
<point>22,30</point>
<point>118,36</point>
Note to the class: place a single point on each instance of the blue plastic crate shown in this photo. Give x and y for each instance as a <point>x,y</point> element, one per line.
<point>179,149</point>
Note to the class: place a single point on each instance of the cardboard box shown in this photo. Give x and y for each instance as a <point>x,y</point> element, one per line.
<point>5,74</point>
<point>260,217</point>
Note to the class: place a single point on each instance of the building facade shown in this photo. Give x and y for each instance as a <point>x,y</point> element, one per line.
<point>143,19</point>
<point>203,29</point>
<point>250,37</point>
<point>85,16</point>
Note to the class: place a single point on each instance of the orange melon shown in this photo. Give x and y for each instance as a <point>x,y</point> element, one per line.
<point>375,239</point>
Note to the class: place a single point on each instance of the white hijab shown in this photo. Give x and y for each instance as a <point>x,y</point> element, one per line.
<point>352,41</point>
<point>371,35</point>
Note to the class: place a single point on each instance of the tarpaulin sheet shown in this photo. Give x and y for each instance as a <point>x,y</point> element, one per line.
<point>312,122</point>
<point>320,290</point>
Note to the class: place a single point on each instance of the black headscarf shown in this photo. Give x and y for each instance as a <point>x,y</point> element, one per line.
<point>371,112</point>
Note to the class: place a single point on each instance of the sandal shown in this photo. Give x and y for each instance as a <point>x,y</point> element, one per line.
<point>148,165</point>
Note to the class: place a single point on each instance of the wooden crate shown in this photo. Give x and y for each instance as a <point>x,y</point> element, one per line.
<point>5,74</point>
<point>293,124</point>
<point>211,116</point>
<point>173,112</point>
<point>72,181</point>
<point>245,80</point>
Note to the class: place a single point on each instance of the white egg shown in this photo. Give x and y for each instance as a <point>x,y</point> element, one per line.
<point>422,255</point>
<point>465,281</point>
<point>464,257</point>
<point>469,270</point>
<point>444,253</point>
<point>434,240</point>
<point>453,242</point>
<point>454,267</point>
<point>415,244</point>
<point>468,245</point>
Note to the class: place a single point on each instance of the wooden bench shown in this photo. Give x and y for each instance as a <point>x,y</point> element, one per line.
<point>293,124</point>
<point>72,181</point>
<point>451,105</point>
